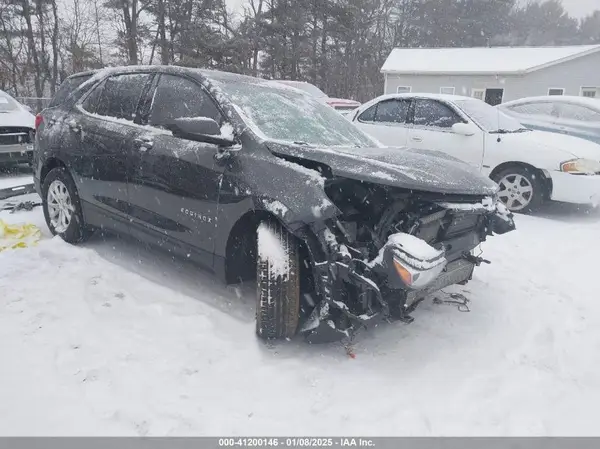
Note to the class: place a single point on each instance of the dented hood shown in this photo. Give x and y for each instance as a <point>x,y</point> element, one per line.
<point>420,170</point>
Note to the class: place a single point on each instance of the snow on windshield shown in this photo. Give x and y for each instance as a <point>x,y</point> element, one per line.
<point>489,118</point>
<point>286,115</point>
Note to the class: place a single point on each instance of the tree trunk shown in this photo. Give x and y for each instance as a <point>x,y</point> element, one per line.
<point>37,79</point>
<point>98,31</point>
<point>55,32</point>
<point>162,34</point>
<point>130,19</point>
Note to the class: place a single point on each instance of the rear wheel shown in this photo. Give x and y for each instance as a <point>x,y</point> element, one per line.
<point>521,189</point>
<point>62,207</point>
<point>278,282</point>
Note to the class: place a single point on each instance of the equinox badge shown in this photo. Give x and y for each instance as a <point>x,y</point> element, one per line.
<point>196,215</point>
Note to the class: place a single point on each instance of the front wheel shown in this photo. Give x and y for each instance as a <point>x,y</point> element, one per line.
<point>62,207</point>
<point>521,189</point>
<point>278,282</point>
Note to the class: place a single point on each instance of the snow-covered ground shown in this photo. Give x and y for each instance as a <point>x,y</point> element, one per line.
<point>110,338</point>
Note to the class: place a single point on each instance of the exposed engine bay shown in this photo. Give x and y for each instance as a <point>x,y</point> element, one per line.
<point>390,248</point>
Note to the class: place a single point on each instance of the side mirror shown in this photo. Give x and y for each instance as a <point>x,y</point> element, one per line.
<point>200,129</point>
<point>464,129</point>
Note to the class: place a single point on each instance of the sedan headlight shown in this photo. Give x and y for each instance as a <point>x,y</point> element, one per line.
<point>581,167</point>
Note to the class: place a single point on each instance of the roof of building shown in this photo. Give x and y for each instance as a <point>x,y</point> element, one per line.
<point>481,60</point>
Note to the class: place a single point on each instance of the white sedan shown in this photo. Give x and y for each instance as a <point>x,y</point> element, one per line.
<point>530,166</point>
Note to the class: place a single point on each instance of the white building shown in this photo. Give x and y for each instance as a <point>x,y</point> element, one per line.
<point>495,74</point>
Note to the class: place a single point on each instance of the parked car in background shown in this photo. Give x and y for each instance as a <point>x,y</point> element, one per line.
<point>341,105</point>
<point>575,116</point>
<point>254,180</point>
<point>17,126</point>
<point>530,166</point>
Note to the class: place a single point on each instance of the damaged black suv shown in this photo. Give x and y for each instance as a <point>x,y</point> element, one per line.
<point>255,180</point>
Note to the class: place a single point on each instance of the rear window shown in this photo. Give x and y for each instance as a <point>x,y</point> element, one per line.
<point>7,104</point>
<point>68,86</point>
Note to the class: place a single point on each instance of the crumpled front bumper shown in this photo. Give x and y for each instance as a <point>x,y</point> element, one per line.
<point>380,290</point>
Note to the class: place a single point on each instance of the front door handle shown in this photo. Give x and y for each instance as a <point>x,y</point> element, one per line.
<point>417,139</point>
<point>143,143</point>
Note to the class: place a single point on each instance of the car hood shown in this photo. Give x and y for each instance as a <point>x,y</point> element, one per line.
<point>560,144</point>
<point>420,170</point>
<point>17,118</point>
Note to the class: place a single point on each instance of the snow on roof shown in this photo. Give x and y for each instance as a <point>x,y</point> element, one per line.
<point>480,60</point>
<point>594,103</point>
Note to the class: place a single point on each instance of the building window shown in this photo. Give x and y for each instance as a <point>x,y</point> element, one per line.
<point>478,93</point>
<point>556,91</point>
<point>447,90</point>
<point>590,92</point>
<point>403,89</point>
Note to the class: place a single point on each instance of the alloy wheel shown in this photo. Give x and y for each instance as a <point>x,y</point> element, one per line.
<point>60,206</point>
<point>516,192</point>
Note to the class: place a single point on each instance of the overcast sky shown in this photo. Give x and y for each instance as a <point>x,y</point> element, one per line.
<point>580,8</point>
<point>577,8</point>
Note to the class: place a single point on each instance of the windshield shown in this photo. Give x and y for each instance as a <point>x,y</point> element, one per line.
<point>283,114</point>
<point>7,104</point>
<point>489,118</point>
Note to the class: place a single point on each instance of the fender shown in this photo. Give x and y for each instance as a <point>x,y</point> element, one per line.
<point>260,181</point>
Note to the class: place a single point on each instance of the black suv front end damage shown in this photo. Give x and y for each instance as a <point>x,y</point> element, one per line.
<point>416,247</point>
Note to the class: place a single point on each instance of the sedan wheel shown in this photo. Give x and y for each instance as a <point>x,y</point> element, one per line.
<point>60,206</point>
<point>522,189</point>
<point>516,192</point>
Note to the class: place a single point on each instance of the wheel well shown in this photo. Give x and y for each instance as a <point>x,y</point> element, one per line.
<point>546,180</point>
<point>50,164</point>
<point>241,251</point>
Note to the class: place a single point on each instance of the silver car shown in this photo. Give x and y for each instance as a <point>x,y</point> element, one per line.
<point>575,116</point>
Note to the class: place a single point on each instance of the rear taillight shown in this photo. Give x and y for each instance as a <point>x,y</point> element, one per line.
<point>38,121</point>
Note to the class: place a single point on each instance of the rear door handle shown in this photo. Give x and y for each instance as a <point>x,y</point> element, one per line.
<point>416,139</point>
<point>143,143</point>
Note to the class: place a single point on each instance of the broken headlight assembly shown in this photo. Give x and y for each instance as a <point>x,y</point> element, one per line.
<point>411,263</point>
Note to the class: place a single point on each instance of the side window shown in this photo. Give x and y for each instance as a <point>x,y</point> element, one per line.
<point>392,111</point>
<point>119,95</point>
<point>177,97</point>
<point>67,87</point>
<point>387,111</point>
<point>90,103</point>
<point>435,114</point>
<point>545,108</point>
<point>579,113</point>
<point>368,115</point>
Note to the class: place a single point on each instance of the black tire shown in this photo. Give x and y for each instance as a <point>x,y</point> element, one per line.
<point>278,283</point>
<point>531,176</point>
<point>77,231</point>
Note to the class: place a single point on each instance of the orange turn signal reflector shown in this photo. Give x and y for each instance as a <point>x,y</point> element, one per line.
<point>403,272</point>
<point>569,166</point>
